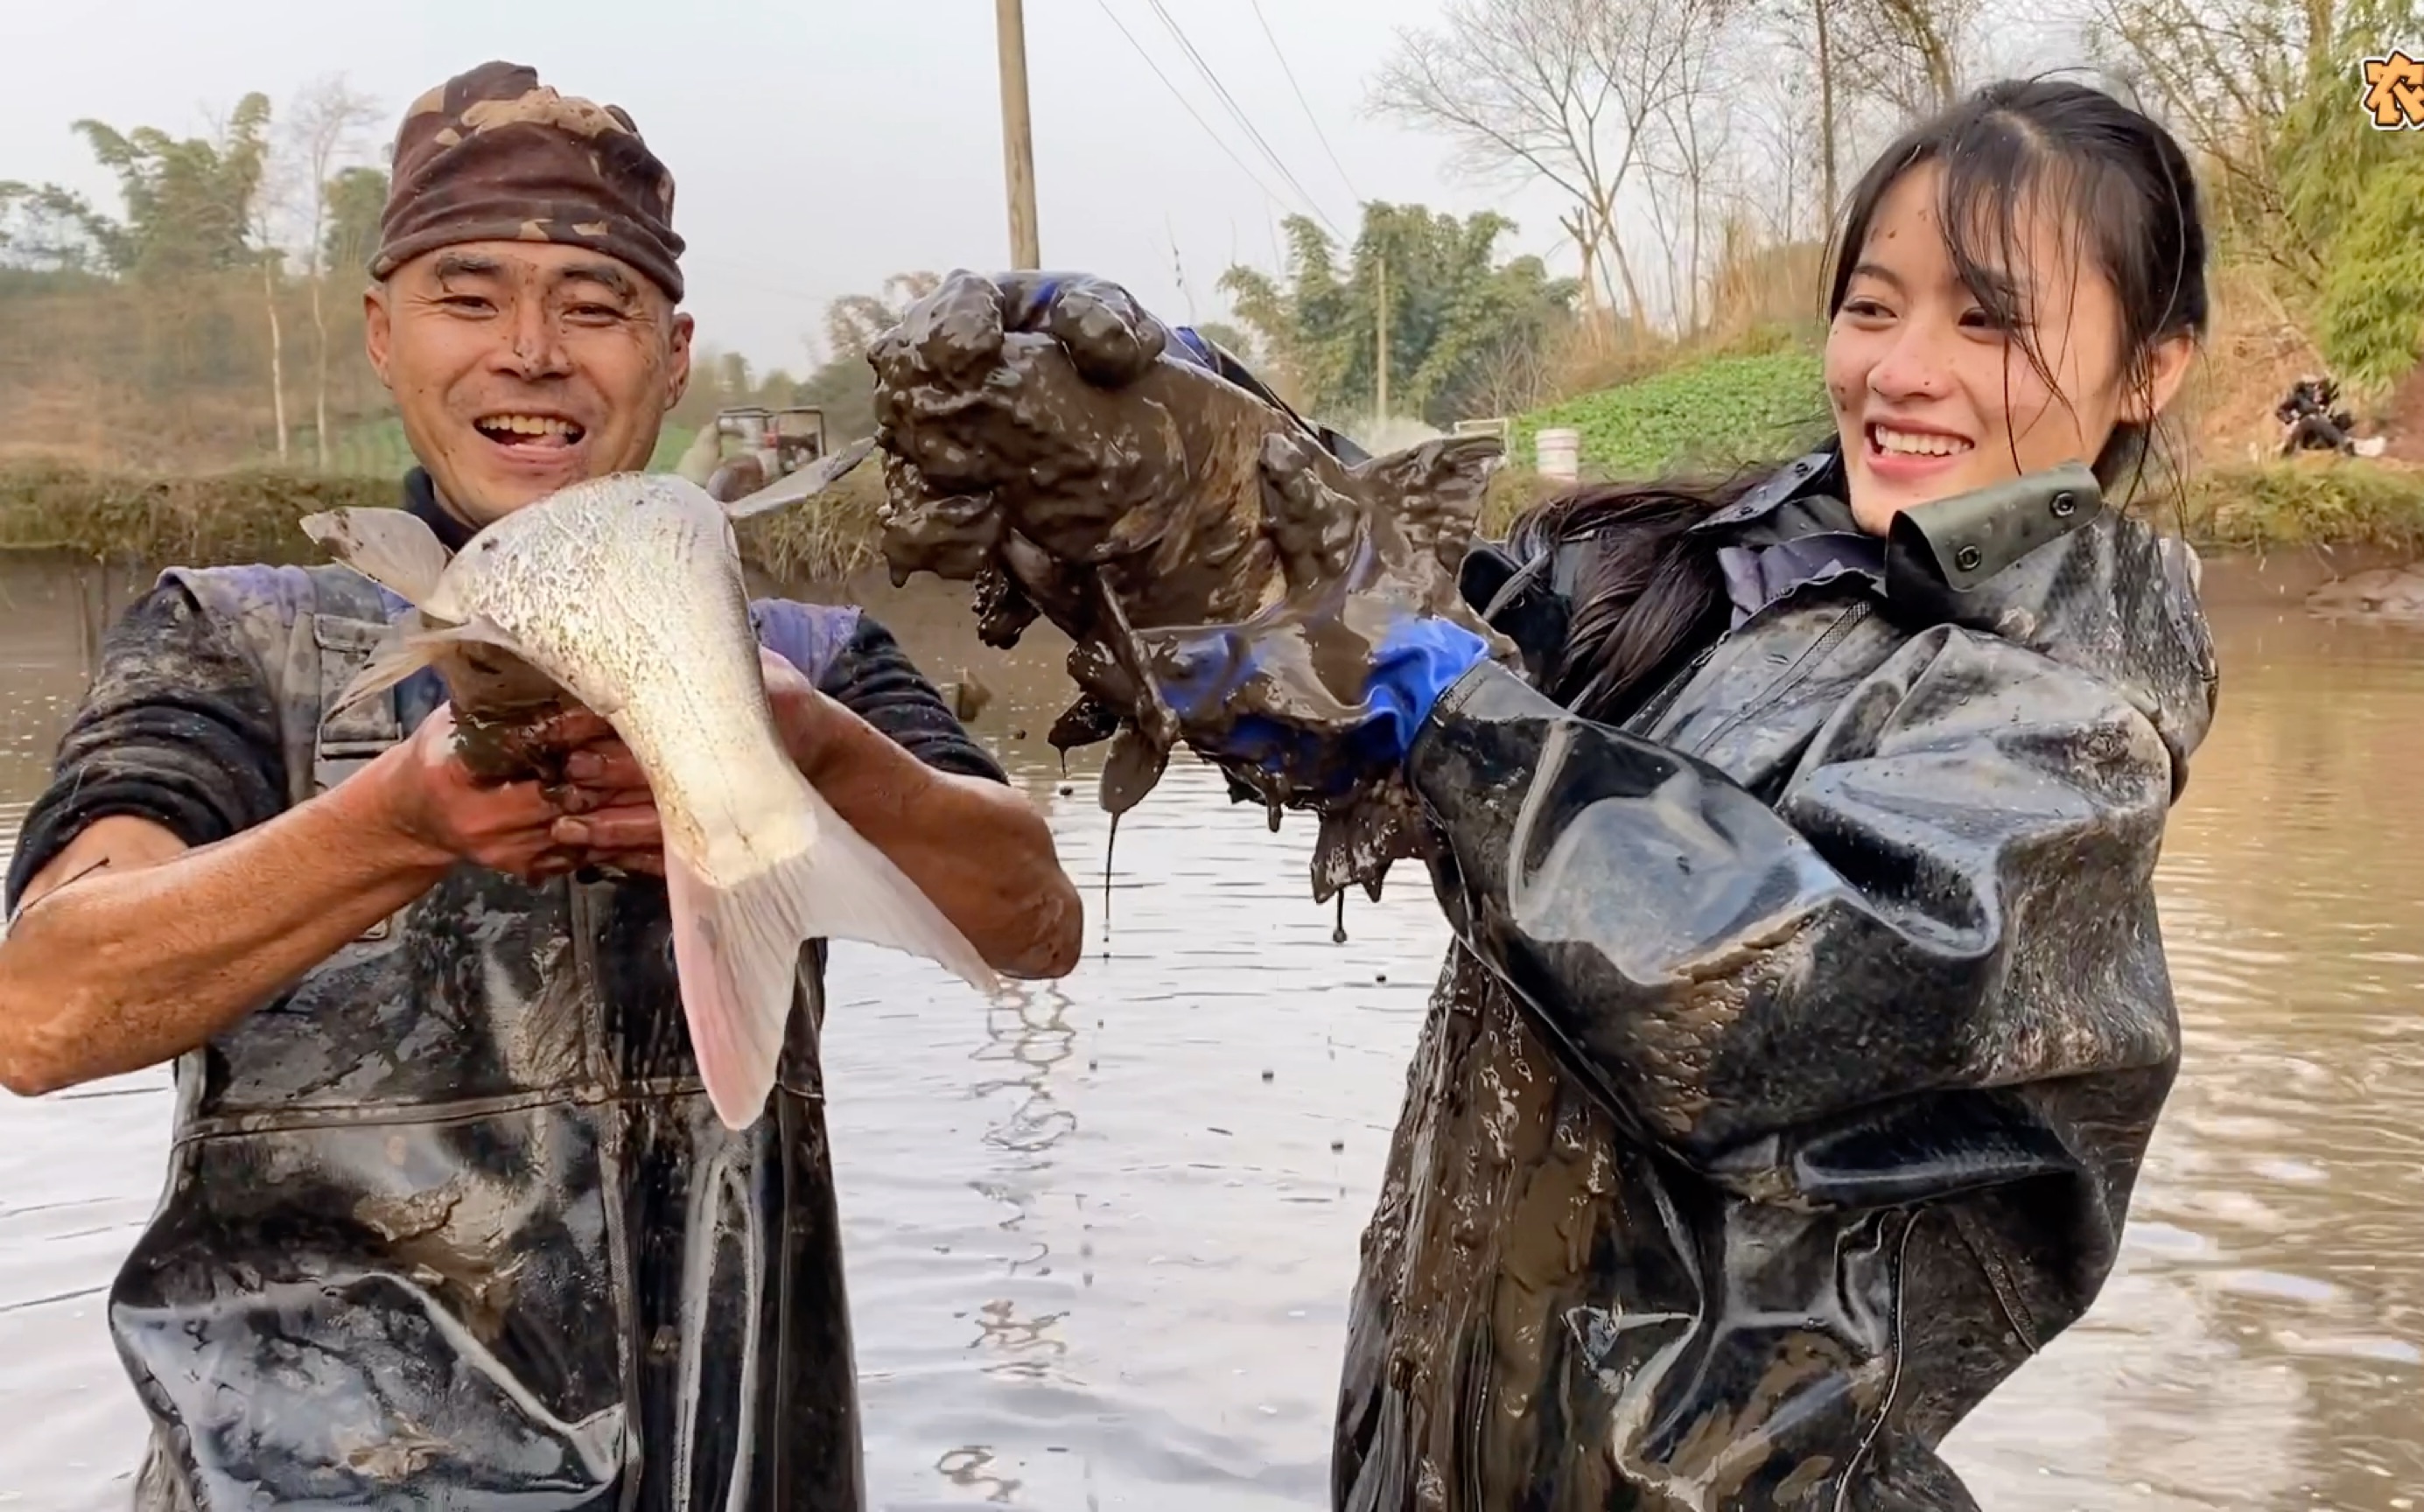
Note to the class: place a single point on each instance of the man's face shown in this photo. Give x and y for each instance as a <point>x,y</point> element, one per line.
<point>521,367</point>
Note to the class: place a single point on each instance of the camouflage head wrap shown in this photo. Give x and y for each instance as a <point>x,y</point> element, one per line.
<point>493,155</point>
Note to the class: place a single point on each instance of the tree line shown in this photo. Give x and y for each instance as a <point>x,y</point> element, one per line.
<point>212,282</point>
<point>1680,132</point>
<point>1699,150</point>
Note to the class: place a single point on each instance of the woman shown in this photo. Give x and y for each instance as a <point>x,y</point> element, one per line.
<point>1808,1017</point>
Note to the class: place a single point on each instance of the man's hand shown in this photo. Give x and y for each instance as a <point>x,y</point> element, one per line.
<point>525,829</point>
<point>977,848</point>
<point>609,817</point>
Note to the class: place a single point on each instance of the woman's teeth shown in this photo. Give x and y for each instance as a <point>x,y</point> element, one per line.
<point>1916,443</point>
<point>501,426</point>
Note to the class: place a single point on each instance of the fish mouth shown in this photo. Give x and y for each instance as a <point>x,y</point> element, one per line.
<point>531,430</point>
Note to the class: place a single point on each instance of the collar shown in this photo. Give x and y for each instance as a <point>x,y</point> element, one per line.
<point>420,499</point>
<point>1793,532</point>
<point>1804,498</point>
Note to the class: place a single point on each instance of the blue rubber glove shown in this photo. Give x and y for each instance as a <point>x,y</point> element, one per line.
<point>1328,748</point>
<point>1418,660</point>
<point>1112,339</point>
<point>1190,346</point>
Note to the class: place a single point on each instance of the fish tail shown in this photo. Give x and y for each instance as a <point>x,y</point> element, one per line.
<point>737,948</point>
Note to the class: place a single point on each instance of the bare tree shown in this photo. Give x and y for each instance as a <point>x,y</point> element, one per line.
<point>325,133</point>
<point>271,260</point>
<point>1909,48</point>
<point>1511,378</point>
<point>1691,137</point>
<point>258,178</point>
<point>854,320</point>
<point>1561,91</point>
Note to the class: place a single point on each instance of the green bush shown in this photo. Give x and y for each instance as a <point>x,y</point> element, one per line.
<point>2373,295</point>
<point>1713,414</point>
<point>249,516</point>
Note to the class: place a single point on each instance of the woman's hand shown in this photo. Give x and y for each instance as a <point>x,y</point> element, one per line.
<point>1321,694</point>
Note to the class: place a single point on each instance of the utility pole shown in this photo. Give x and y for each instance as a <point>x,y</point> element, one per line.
<point>1017,134</point>
<point>1380,342</point>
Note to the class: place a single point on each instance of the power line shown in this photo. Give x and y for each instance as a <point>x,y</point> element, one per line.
<point>1217,140</point>
<point>1310,120</point>
<point>1237,113</point>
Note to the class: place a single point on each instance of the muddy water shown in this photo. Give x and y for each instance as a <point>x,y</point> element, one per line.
<point>1100,1236</point>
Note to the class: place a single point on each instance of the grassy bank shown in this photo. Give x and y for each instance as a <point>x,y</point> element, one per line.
<point>1712,413</point>
<point>252,517</point>
<point>2322,501</point>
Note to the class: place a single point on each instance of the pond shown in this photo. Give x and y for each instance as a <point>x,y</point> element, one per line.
<point>1100,1237</point>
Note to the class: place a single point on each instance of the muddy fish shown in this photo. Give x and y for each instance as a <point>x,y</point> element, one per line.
<point>625,593</point>
<point>1111,506</point>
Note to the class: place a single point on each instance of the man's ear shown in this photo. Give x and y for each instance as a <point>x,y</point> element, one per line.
<point>677,360</point>
<point>378,331</point>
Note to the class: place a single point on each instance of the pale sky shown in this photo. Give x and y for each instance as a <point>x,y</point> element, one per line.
<point>821,146</point>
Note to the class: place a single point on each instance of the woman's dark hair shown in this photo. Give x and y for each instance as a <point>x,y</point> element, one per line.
<point>1648,592</point>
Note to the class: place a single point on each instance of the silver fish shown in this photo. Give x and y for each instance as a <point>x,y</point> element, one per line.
<point>626,593</point>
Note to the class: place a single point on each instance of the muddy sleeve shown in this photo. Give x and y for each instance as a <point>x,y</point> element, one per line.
<point>873,677</point>
<point>1863,992</point>
<point>177,728</point>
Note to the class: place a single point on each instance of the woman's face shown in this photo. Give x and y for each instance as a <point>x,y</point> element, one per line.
<point>1933,399</point>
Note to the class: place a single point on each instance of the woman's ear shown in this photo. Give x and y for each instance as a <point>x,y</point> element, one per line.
<point>2166,370</point>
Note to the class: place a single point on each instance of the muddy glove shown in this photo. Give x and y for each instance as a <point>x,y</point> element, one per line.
<point>1255,694</point>
<point>1316,699</point>
<point>1046,439</point>
<point>1049,441</point>
<point>1110,338</point>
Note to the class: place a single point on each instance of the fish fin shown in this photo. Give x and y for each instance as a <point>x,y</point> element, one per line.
<point>792,488</point>
<point>478,627</point>
<point>384,671</point>
<point>417,643</point>
<point>735,1030</point>
<point>393,548</point>
<point>406,651</point>
<point>736,949</point>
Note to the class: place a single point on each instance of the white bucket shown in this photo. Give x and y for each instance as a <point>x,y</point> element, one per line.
<point>1560,454</point>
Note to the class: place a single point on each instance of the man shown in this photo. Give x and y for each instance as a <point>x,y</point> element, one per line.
<point>449,1221</point>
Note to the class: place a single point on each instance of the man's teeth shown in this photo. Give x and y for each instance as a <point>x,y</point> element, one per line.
<point>1917,443</point>
<point>530,426</point>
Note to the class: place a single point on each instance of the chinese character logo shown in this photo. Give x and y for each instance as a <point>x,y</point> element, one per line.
<point>2394,92</point>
